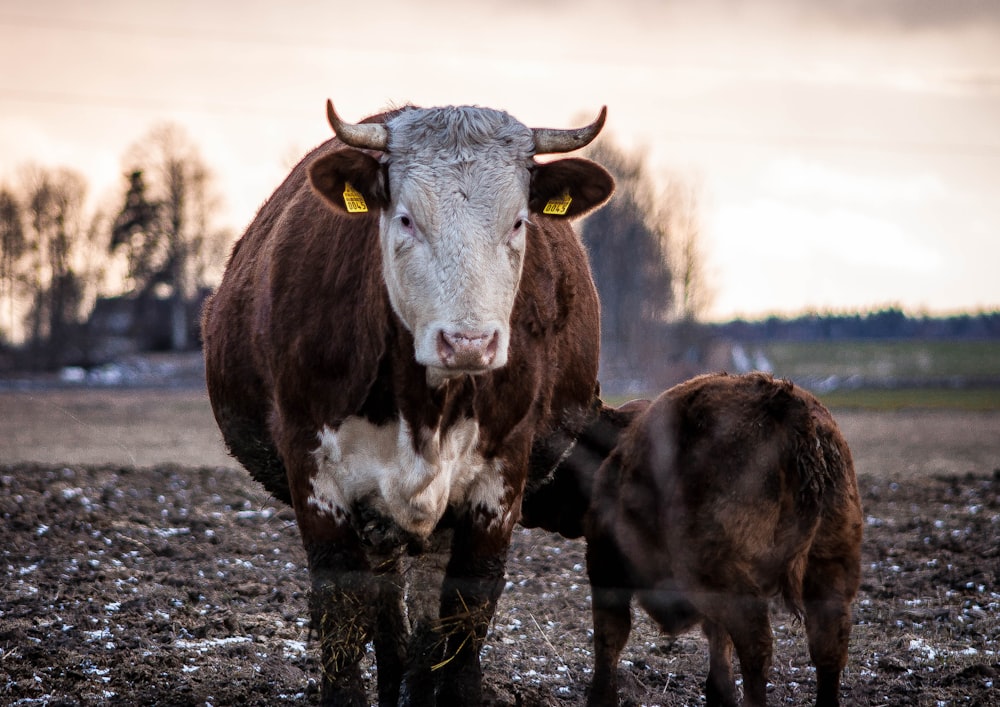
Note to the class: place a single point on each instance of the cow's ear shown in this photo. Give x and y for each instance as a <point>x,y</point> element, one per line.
<point>569,187</point>
<point>350,180</point>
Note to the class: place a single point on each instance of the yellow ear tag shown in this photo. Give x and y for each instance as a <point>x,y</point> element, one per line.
<point>353,201</point>
<point>558,206</point>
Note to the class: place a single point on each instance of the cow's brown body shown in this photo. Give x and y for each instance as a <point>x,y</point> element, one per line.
<point>301,337</point>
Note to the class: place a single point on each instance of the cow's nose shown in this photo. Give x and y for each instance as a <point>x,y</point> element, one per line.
<point>470,350</point>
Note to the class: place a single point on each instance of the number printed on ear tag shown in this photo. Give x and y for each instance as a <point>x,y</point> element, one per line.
<point>353,201</point>
<point>558,206</point>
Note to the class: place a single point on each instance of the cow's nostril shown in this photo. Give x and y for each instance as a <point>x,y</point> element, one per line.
<point>445,348</point>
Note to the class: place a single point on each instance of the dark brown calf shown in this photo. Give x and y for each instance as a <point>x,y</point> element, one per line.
<point>726,491</point>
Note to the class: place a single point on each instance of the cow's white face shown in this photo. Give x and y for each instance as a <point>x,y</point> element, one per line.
<point>455,188</point>
<point>453,233</point>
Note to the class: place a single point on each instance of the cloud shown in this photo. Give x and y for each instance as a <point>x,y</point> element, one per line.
<point>779,256</point>
<point>794,177</point>
<point>786,230</point>
<point>908,14</point>
<point>904,15</point>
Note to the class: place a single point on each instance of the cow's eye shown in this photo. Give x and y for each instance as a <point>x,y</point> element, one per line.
<point>515,239</point>
<point>408,226</point>
<point>407,233</point>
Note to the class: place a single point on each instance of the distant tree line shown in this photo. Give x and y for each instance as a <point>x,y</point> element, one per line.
<point>645,252</point>
<point>886,323</point>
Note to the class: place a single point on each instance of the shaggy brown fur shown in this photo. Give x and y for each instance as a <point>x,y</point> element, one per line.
<point>724,492</point>
<point>720,494</point>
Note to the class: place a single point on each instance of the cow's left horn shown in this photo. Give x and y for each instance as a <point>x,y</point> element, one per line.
<point>364,136</point>
<point>549,140</point>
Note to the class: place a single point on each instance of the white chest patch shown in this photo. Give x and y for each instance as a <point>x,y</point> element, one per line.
<point>380,464</point>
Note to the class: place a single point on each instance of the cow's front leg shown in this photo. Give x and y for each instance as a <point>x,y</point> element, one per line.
<point>391,632</point>
<point>472,585</point>
<point>341,601</point>
<point>424,576</point>
<point>341,606</point>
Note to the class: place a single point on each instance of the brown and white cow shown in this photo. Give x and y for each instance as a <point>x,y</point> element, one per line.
<point>724,491</point>
<point>401,320</point>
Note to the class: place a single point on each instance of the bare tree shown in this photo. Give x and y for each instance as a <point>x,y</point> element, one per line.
<point>56,242</point>
<point>137,232</point>
<point>165,226</point>
<point>13,246</point>
<point>680,216</point>
<point>628,254</point>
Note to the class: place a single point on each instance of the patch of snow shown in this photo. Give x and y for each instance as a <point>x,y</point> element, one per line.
<point>918,645</point>
<point>210,643</point>
<point>170,532</point>
<point>294,648</point>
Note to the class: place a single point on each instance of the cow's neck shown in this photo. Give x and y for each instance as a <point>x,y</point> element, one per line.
<point>422,405</point>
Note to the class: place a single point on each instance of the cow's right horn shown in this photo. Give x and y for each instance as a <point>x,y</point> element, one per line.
<point>549,140</point>
<point>364,136</point>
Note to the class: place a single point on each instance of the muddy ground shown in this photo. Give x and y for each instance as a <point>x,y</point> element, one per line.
<point>125,579</point>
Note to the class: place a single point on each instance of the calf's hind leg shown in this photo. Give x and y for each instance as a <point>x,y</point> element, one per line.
<point>828,590</point>
<point>748,624</point>
<point>720,688</point>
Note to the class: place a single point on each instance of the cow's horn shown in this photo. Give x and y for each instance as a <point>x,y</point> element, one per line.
<point>364,136</point>
<point>549,140</point>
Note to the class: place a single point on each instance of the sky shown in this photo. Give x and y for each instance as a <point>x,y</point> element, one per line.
<point>846,152</point>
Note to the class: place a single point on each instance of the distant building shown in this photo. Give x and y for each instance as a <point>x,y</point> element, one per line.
<point>133,324</point>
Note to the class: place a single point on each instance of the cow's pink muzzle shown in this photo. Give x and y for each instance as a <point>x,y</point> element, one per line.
<point>468,350</point>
